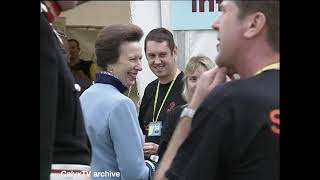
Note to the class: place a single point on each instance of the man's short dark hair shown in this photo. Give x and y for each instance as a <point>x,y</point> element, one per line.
<point>160,35</point>
<point>271,9</point>
<point>110,39</point>
<point>76,41</point>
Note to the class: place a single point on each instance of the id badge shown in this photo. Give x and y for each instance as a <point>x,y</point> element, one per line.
<point>154,129</point>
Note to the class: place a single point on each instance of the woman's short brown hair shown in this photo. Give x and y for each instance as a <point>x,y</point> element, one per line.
<point>111,38</point>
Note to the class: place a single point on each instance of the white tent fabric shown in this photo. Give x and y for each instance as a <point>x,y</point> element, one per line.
<point>86,20</point>
<point>98,13</point>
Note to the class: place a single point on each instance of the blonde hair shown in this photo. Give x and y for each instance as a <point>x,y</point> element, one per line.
<point>194,63</point>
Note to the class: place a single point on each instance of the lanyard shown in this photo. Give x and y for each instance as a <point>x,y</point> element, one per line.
<point>156,97</point>
<point>269,67</point>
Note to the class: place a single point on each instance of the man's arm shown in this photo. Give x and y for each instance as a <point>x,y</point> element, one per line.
<point>206,83</point>
<point>142,109</point>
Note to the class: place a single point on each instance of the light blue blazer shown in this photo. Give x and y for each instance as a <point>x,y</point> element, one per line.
<point>116,138</point>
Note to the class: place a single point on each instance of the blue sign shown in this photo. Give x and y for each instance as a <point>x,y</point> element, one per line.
<point>194,14</point>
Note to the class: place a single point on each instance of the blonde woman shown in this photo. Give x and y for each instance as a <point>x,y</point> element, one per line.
<point>195,67</point>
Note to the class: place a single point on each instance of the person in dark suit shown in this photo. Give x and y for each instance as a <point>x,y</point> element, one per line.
<point>63,139</point>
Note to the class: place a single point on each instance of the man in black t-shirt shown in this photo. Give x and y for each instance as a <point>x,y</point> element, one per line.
<point>233,133</point>
<point>163,94</point>
<point>85,70</point>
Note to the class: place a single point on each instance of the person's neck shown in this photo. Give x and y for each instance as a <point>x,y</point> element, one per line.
<point>255,60</point>
<point>73,61</point>
<point>169,78</point>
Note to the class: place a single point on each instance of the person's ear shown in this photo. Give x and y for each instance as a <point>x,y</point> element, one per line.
<point>254,24</point>
<point>174,52</point>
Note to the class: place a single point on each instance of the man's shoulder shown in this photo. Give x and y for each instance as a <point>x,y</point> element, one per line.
<point>254,88</point>
<point>179,80</point>
<point>152,85</point>
<point>181,75</point>
<point>257,84</point>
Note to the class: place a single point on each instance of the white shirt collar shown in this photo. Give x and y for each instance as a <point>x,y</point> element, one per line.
<point>43,8</point>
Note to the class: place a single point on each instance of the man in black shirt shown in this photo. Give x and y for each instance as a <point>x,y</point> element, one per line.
<point>163,94</point>
<point>233,133</point>
<point>85,70</point>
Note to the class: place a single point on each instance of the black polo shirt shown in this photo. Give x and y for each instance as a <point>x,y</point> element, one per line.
<point>235,133</point>
<point>146,108</point>
<point>83,66</point>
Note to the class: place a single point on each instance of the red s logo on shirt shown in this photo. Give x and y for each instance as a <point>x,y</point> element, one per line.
<point>275,121</point>
<point>171,106</point>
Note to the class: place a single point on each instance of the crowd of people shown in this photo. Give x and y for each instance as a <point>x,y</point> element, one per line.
<point>194,123</point>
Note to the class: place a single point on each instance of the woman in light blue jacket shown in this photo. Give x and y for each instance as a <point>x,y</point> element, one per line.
<point>110,117</point>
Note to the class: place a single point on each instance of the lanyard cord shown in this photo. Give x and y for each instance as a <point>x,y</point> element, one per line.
<point>165,98</point>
